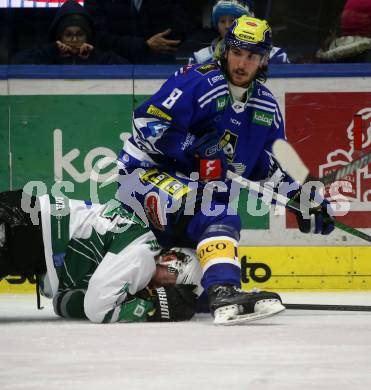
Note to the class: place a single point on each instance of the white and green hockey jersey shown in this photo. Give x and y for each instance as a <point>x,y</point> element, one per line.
<point>82,239</point>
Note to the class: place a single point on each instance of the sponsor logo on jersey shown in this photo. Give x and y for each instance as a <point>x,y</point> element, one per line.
<point>185,69</point>
<point>215,79</point>
<point>221,102</point>
<point>59,203</point>
<point>265,93</point>
<point>210,169</point>
<point>212,150</point>
<point>165,183</point>
<point>153,110</point>
<point>207,68</point>
<point>228,142</point>
<point>153,208</point>
<point>262,118</point>
<point>188,141</point>
<point>235,122</point>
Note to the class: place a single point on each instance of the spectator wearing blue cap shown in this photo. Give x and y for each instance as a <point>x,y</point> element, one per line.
<point>223,15</point>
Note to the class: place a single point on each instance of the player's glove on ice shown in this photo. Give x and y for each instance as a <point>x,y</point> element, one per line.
<point>317,219</point>
<point>174,303</point>
<point>209,159</point>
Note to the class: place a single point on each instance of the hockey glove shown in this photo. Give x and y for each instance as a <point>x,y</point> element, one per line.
<point>209,158</point>
<point>174,303</point>
<point>135,309</point>
<point>319,221</point>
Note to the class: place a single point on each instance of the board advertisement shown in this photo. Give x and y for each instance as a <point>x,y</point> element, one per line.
<point>59,130</point>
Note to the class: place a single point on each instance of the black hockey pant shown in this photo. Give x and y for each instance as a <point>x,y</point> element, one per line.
<point>21,243</point>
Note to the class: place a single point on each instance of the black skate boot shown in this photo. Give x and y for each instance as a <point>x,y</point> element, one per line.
<point>230,305</point>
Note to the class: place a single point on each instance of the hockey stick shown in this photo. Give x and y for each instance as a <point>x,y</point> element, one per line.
<point>351,167</point>
<point>288,203</point>
<point>290,161</point>
<point>311,306</point>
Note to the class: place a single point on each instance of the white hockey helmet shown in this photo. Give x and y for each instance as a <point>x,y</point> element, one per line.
<point>184,262</point>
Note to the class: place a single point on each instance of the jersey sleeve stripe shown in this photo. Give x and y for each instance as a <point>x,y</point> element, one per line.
<point>261,107</point>
<point>211,92</point>
<point>278,113</point>
<point>277,120</point>
<point>263,102</point>
<point>213,98</point>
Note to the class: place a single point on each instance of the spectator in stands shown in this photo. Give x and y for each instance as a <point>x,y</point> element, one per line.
<point>71,38</point>
<point>223,14</point>
<point>144,31</point>
<point>354,41</point>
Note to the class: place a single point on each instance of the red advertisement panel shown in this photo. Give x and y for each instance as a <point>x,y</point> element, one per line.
<point>321,128</point>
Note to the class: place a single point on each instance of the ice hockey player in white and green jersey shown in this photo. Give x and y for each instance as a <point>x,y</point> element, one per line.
<point>96,261</point>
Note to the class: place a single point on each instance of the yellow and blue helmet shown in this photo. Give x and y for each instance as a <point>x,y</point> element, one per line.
<point>251,34</point>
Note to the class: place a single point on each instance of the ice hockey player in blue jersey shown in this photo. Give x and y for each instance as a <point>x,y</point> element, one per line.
<point>223,15</point>
<point>204,120</point>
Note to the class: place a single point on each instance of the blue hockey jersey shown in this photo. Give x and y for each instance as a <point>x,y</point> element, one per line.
<point>196,100</point>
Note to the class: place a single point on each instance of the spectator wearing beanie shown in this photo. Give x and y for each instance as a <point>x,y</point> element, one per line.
<point>354,42</point>
<point>356,18</point>
<point>71,37</point>
<point>223,15</point>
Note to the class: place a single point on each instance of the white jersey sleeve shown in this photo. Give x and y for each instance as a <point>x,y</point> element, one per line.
<point>118,275</point>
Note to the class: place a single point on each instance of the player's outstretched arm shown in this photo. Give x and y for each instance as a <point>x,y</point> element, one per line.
<point>163,304</point>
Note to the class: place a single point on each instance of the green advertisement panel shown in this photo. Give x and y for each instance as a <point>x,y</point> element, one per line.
<point>62,138</point>
<point>49,138</point>
<point>4,143</point>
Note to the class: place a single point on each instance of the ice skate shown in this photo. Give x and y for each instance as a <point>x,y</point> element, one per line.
<point>231,306</point>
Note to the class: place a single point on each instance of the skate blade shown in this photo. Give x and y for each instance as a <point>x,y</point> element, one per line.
<point>246,318</point>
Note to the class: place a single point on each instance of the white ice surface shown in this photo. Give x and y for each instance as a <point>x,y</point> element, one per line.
<point>296,350</point>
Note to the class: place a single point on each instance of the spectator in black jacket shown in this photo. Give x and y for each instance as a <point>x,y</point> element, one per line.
<point>71,38</point>
<point>144,31</point>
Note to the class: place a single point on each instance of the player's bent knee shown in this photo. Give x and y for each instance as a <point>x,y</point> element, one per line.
<point>95,306</point>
